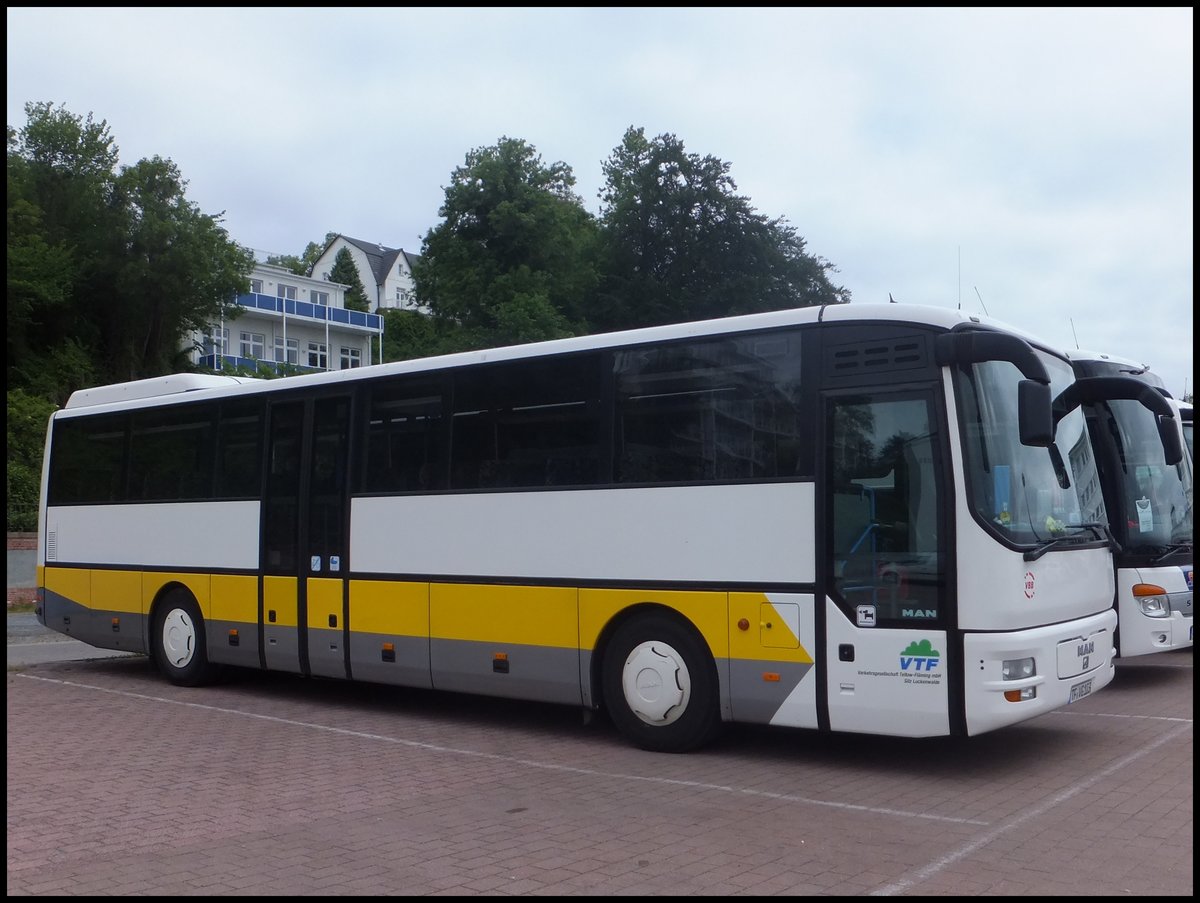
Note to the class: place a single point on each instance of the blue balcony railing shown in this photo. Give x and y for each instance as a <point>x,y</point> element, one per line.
<point>310,311</point>
<point>222,362</point>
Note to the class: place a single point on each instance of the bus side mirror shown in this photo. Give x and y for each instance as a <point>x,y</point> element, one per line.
<point>1168,432</point>
<point>1034,414</point>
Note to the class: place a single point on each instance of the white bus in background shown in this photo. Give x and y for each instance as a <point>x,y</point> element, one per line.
<point>864,518</point>
<point>1184,409</point>
<point>1148,497</point>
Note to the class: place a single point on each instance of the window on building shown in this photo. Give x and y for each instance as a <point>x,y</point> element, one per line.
<point>318,355</point>
<point>401,295</point>
<point>283,290</point>
<point>289,354</point>
<point>216,341</point>
<point>351,358</point>
<point>256,286</point>
<point>254,344</point>
<point>321,298</point>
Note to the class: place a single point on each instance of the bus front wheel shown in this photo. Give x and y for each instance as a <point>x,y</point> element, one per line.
<point>178,641</point>
<point>660,685</point>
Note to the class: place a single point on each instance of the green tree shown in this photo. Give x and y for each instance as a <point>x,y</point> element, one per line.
<point>408,334</point>
<point>27,418</point>
<point>513,259</point>
<point>680,244</point>
<point>302,265</point>
<point>345,272</point>
<point>109,269</point>
<point>172,271</point>
<point>60,172</point>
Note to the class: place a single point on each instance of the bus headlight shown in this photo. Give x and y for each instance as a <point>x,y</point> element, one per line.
<point>1017,668</point>
<point>1152,600</point>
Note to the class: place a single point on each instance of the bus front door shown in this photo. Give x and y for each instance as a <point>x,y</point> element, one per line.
<point>304,537</point>
<point>886,611</point>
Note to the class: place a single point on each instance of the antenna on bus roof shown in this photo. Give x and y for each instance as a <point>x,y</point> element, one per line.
<point>1073,332</point>
<point>981,304</point>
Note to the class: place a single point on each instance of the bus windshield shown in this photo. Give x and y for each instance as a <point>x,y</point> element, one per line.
<point>1154,498</point>
<point>1025,494</point>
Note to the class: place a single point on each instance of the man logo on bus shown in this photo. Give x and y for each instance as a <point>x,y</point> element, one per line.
<point>919,657</point>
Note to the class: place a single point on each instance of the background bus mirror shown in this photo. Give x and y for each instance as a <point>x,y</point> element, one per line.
<point>1034,413</point>
<point>1168,431</point>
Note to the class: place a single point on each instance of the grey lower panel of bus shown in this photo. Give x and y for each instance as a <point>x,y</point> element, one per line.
<point>281,646</point>
<point>405,664</point>
<point>103,629</point>
<point>758,700</point>
<point>228,648</point>
<point>544,673</point>
<point>539,673</point>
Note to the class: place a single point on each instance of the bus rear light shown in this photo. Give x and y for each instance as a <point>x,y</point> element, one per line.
<point>1152,600</point>
<point>770,677</point>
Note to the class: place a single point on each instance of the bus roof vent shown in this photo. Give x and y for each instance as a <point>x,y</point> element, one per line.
<point>866,359</point>
<point>151,388</point>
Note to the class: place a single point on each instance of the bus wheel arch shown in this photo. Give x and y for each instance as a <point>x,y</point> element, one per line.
<point>659,681</point>
<point>178,638</point>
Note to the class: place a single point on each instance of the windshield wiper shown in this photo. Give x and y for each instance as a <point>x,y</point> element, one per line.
<point>1097,529</point>
<point>1171,549</point>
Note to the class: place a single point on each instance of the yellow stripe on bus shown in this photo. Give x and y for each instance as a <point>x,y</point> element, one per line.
<point>70,583</point>
<point>117,591</point>
<point>197,584</point>
<point>528,615</point>
<point>384,607</point>
<point>235,598</point>
<point>707,611</point>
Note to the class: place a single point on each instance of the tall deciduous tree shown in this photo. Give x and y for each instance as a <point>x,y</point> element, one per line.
<point>681,244</point>
<point>114,268</point>
<point>512,260</point>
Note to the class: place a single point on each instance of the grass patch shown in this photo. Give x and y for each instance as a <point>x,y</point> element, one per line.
<point>20,607</point>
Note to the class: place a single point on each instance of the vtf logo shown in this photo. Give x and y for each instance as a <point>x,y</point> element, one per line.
<point>919,657</point>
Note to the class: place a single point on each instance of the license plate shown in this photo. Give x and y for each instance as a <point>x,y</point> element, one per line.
<point>1080,690</point>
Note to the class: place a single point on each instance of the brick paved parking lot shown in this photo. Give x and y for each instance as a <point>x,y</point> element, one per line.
<point>121,784</point>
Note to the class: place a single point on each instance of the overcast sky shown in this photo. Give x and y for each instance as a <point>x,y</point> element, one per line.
<point>1034,165</point>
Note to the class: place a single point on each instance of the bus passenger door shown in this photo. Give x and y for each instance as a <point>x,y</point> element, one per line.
<point>304,537</point>
<point>324,598</point>
<point>886,611</point>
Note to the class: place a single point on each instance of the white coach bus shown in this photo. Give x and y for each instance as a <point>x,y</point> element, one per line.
<point>847,518</point>
<point>1147,486</point>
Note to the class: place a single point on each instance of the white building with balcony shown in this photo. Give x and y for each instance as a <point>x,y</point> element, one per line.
<point>289,319</point>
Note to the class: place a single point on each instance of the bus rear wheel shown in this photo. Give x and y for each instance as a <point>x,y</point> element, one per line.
<point>660,685</point>
<point>178,641</point>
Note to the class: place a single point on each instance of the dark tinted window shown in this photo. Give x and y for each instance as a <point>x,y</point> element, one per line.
<point>282,515</point>
<point>528,423</point>
<point>171,453</point>
<point>88,460</point>
<point>327,478</point>
<point>406,436</point>
<point>239,449</point>
<point>713,410</point>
